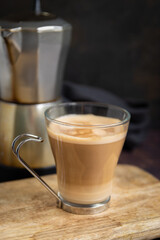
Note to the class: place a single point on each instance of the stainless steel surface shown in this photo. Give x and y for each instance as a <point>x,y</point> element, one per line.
<point>32,58</point>
<point>18,142</point>
<point>24,138</point>
<point>82,209</point>
<point>17,119</point>
<point>37,7</point>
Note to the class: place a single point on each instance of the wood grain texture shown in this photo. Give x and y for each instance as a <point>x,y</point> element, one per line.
<point>28,211</point>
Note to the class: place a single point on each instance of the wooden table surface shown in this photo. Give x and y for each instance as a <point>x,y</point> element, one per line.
<point>28,211</point>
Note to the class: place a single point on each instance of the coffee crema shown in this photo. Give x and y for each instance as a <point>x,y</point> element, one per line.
<point>86,150</point>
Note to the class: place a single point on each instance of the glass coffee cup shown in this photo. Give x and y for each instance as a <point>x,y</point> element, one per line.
<point>86,141</point>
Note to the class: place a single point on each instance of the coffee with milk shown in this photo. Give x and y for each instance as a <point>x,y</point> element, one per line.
<point>86,152</point>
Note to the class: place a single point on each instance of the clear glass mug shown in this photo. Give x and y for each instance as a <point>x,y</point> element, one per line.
<point>86,140</point>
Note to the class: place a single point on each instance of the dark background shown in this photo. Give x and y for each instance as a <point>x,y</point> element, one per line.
<point>115,45</point>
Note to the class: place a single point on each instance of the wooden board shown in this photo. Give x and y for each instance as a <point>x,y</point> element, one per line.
<point>28,211</point>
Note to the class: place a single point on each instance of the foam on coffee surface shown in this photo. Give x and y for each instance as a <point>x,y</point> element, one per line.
<point>86,128</point>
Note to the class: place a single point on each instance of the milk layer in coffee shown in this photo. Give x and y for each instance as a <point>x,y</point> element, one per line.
<point>86,149</point>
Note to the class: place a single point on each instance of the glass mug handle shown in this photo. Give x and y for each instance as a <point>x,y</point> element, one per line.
<point>29,137</point>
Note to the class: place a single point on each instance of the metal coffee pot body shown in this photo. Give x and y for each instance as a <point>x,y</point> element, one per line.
<point>19,118</point>
<point>32,58</point>
<point>33,52</point>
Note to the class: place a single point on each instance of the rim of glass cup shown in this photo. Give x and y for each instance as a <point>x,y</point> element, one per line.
<point>125,120</point>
